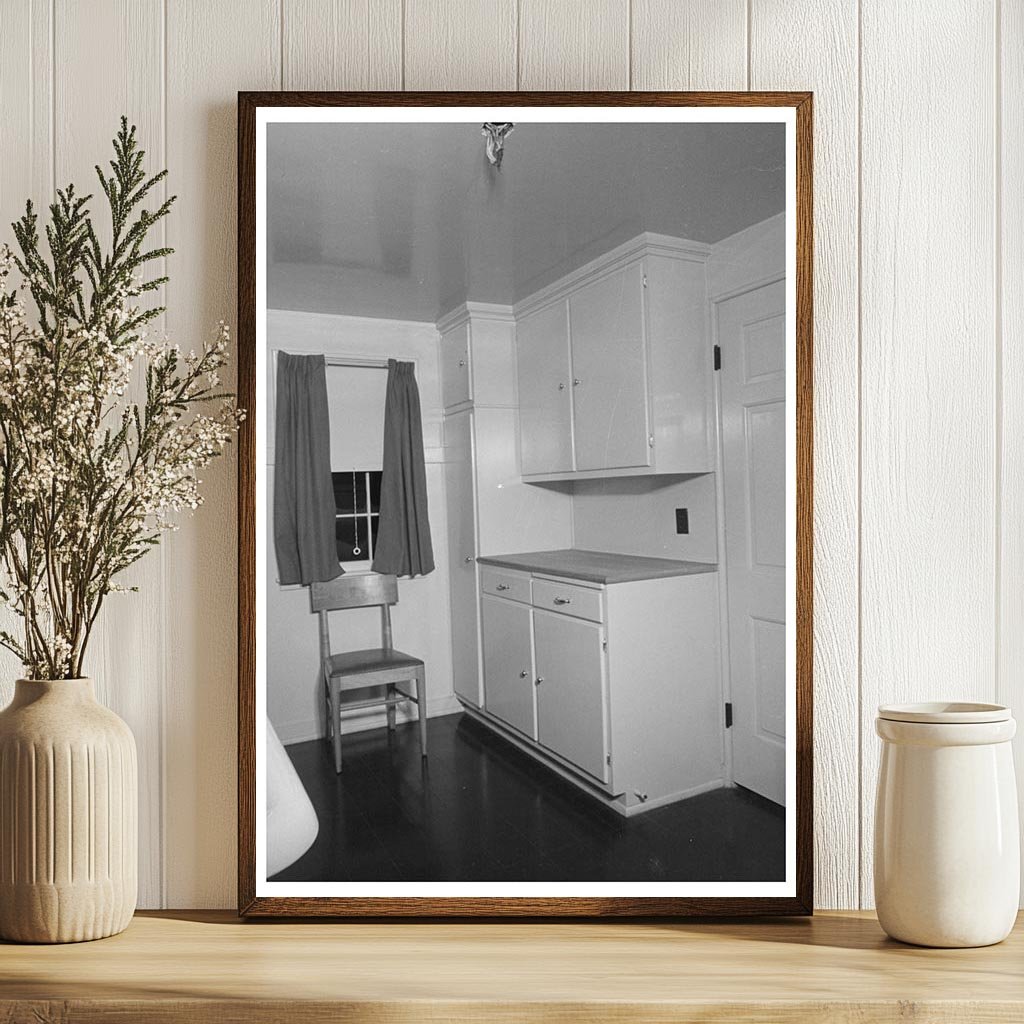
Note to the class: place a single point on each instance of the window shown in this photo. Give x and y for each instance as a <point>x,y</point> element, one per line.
<point>357,512</point>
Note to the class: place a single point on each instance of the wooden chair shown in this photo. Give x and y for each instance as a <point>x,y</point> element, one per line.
<point>377,667</point>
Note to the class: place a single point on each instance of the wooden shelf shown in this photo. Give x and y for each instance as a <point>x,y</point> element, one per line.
<point>200,967</point>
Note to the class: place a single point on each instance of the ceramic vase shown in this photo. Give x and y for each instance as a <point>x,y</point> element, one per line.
<point>947,847</point>
<point>68,813</point>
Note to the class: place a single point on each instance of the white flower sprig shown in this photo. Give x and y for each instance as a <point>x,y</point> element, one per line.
<point>89,478</point>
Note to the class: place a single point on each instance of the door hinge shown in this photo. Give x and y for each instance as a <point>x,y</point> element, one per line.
<point>645,280</point>
<point>718,357</point>
<point>608,760</point>
<point>728,715</point>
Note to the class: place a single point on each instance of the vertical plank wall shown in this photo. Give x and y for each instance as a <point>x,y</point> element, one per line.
<point>919,293</point>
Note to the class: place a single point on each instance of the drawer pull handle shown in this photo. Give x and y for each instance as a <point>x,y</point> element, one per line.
<point>502,586</point>
<point>522,675</point>
<point>563,600</point>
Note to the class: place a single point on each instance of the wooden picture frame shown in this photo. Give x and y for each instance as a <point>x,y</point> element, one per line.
<point>250,903</point>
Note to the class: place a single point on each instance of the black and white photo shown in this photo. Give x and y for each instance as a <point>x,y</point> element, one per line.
<point>525,502</point>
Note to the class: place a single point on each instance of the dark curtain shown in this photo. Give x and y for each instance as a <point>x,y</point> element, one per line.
<point>403,545</point>
<point>303,493</point>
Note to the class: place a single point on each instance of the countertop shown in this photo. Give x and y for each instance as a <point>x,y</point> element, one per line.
<point>205,967</point>
<point>597,566</point>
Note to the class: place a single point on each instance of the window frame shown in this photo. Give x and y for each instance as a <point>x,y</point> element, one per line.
<point>360,564</point>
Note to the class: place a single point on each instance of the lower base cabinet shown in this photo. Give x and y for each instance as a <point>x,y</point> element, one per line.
<point>508,663</point>
<point>571,706</point>
<point>617,688</point>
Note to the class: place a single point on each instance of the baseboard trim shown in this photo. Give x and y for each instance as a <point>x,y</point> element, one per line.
<point>670,798</point>
<point>593,789</point>
<point>300,732</point>
<point>615,801</point>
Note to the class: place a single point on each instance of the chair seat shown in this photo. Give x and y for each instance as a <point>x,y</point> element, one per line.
<point>372,660</point>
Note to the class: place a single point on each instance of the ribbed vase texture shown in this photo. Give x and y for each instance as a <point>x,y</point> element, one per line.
<point>68,815</point>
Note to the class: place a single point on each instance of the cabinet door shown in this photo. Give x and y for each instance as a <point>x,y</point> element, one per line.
<point>508,663</point>
<point>545,403</point>
<point>609,365</point>
<point>571,690</point>
<point>455,381</point>
<point>458,441</point>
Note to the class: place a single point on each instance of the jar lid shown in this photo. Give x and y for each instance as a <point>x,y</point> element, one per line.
<point>945,713</point>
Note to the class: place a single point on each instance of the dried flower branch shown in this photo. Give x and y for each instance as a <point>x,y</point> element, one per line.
<point>89,478</point>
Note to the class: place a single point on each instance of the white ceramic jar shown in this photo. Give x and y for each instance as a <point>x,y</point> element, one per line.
<point>947,848</point>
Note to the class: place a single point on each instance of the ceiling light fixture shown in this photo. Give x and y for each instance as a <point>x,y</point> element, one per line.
<point>494,132</point>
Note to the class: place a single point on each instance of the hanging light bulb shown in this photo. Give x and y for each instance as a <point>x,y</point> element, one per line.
<point>494,132</point>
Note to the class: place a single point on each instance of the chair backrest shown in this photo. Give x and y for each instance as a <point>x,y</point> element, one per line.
<point>356,590</point>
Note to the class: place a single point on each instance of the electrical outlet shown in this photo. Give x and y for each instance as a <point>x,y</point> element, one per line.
<point>682,520</point>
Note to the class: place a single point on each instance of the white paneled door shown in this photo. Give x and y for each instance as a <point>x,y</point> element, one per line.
<point>751,332</point>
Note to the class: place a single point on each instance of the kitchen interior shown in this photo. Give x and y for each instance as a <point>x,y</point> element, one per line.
<point>597,324</point>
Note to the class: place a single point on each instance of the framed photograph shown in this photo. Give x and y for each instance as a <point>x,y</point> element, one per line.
<point>525,492</point>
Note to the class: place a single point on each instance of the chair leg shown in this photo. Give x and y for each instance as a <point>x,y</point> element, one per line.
<point>328,720</point>
<point>336,727</point>
<point>391,709</point>
<point>421,707</point>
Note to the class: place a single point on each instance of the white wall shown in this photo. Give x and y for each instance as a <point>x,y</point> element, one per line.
<point>637,516</point>
<point>748,258</point>
<point>420,619</point>
<point>919,321</point>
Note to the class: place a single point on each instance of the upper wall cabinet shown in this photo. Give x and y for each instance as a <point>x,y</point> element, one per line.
<point>609,366</point>
<point>545,390</point>
<point>477,353</point>
<point>614,366</point>
<point>456,384</point>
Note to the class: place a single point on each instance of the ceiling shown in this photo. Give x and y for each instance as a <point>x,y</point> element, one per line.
<point>408,220</point>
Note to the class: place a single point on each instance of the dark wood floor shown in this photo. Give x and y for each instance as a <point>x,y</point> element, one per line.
<point>480,810</point>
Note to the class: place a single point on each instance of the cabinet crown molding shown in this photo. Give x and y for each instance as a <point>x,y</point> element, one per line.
<point>475,311</point>
<point>648,243</point>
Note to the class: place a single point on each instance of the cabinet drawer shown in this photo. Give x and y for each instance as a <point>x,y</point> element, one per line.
<point>582,602</point>
<point>505,584</point>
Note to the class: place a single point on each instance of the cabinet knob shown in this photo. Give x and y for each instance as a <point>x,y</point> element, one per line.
<point>561,386</point>
<point>563,600</point>
<point>462,362</point>
<point>501,586</point>
<point>522,675</point>
<point>468,559</point>
<point>540,679</point>
<point>576,382</point>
